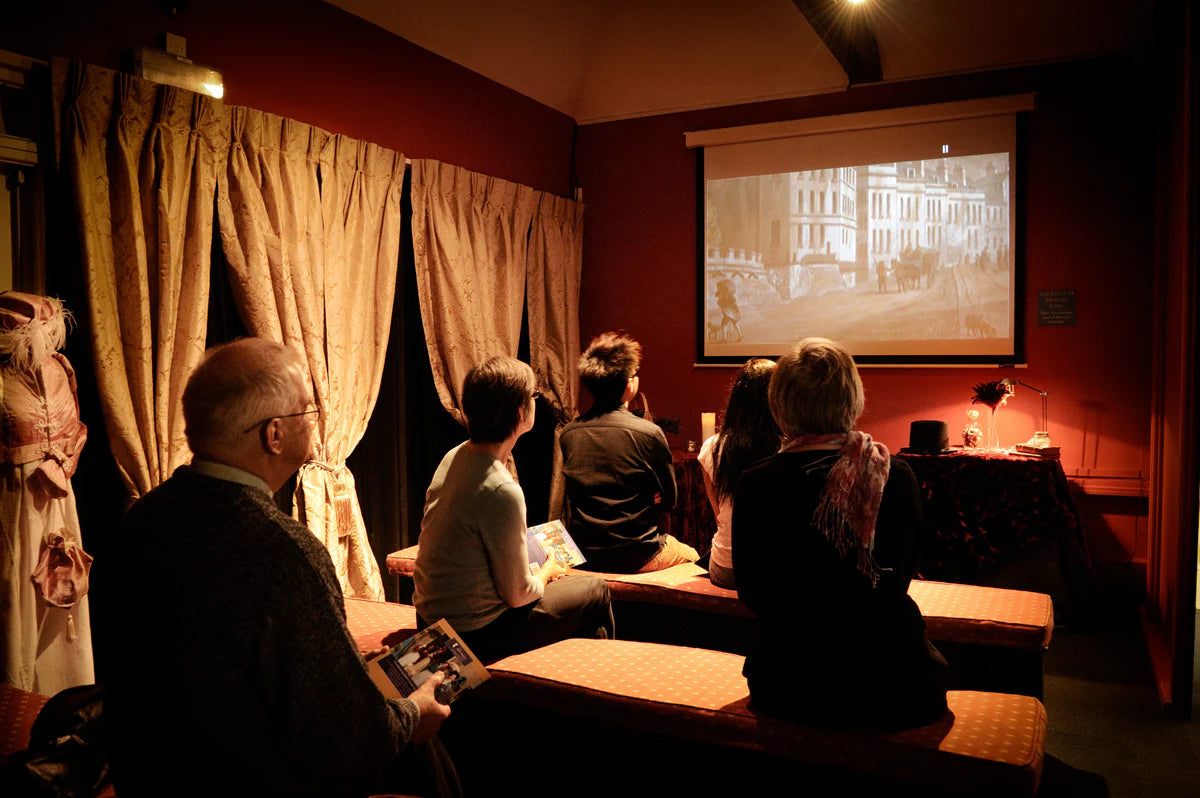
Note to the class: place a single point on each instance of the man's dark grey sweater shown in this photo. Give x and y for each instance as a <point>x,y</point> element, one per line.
<point>232,671</point>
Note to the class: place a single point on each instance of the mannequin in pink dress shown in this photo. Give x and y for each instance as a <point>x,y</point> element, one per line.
<point>47,641</point>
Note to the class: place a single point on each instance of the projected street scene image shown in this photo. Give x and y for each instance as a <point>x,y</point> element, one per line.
<point>905,252</point>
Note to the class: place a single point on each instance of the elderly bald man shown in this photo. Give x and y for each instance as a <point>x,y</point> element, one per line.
<point>232,672</point>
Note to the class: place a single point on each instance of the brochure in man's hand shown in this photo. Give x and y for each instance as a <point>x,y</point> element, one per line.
<point>552,540</point>
<point>405,667</point>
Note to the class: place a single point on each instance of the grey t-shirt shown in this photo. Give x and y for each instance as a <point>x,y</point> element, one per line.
<point>473,563</point>
<point>252,621</point>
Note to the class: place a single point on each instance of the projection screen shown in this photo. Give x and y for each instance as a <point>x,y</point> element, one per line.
<point>891,232</point>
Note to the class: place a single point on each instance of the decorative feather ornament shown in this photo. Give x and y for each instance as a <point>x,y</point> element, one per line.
<point>27,346</point>
<point>993,394</point>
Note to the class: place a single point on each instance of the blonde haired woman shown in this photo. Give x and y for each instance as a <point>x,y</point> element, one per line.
<point>826,536</point>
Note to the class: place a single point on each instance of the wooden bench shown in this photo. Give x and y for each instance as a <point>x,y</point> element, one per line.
<point>994,638</point>
<point>689,707</point>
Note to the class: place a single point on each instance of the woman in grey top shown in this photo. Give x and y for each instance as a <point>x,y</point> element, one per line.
<point>472,568</point>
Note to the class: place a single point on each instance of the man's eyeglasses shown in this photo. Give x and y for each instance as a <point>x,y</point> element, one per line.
<point>251,428</point>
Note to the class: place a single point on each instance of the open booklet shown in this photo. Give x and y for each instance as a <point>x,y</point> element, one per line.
<point>552,540</point>
<point>405,667</point>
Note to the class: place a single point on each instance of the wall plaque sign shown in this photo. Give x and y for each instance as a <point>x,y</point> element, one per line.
<point>1056,308</point>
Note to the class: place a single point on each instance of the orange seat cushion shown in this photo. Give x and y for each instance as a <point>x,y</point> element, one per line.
<point>403,562</point>
<point>686,585</point>
<point>953,613</point>
<point>376,624</point>
<point>989,743</point>
<point>984,615</point>
<point>18,710</point>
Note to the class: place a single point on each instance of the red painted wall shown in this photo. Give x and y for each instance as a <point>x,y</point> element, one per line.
<point>312,62</point>
<point>1085,186</point>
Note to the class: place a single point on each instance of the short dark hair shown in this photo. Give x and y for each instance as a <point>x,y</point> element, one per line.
<point>607,364</point>
<point>492,397</point>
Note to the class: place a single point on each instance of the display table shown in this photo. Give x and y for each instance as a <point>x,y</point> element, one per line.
<point>1005,520</point>
<point>984,508</point>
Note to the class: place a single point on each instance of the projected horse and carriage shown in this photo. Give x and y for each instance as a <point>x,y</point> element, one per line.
<point>915,267</point>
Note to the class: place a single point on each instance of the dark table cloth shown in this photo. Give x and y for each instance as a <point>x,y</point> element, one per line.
<point>982,508</point>
<point>1004,520</point>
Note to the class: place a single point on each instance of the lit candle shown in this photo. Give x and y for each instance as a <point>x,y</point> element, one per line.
<point>708,425</point>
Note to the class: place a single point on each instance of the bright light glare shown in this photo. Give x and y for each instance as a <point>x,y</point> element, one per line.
<point>856,2</point>
<point>213,84</point>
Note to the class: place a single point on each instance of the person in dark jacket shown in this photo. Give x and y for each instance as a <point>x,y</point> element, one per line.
<point>618,468</point>
<point>826,538</point>
<point>232,671</point>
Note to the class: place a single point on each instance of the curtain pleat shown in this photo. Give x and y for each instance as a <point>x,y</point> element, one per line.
<point>470,244</point>
<point>555,268</point>
<point>310,225</point>
<point>141,163</point>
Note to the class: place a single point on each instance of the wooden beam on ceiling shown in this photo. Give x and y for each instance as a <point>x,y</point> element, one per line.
<point>847,32</point>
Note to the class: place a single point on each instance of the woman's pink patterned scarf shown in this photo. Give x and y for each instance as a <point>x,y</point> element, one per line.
<point>849,505</point>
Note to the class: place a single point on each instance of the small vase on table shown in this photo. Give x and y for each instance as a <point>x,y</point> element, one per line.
<point>971,432</point>
<point>993,394</point>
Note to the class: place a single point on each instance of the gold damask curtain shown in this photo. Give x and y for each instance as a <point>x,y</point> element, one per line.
<point>470,243</point>
<point>141,161</point>
<point>555,266</point>
<point>310,225</point>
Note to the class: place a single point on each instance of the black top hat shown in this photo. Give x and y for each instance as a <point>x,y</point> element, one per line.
<point>928,437</point>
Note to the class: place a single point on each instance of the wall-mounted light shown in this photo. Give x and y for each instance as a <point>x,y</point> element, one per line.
<point>175,70</point>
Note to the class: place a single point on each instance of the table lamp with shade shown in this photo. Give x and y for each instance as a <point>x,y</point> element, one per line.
<point>1039,444</point>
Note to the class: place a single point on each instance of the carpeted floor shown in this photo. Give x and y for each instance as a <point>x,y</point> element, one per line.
<point>1108,734</point>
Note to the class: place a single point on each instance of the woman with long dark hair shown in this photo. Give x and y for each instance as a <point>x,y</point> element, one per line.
<point>748,435</point>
